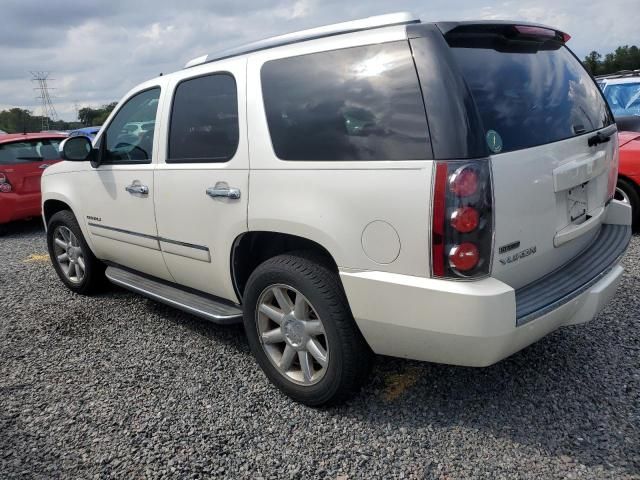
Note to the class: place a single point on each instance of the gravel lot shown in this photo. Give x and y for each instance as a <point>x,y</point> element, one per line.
<point>117,385</point>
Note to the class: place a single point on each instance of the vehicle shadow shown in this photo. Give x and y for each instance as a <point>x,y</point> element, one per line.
<point>22,227</point>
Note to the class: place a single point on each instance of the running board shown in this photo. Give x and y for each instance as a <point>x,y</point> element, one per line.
<point>203,306</point>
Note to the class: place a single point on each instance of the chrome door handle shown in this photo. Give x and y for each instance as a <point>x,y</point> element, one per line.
<point>137,188</point>
<point>222,189</point>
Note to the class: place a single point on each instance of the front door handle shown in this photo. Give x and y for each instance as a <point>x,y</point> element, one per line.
<point>222,189</point>
<point>136,187</point>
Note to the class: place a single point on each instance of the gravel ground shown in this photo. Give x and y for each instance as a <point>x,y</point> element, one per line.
<point>119,386</point>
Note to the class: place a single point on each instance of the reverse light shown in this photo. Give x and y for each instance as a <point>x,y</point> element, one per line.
<point>5,186</point>
<point>462,219</point>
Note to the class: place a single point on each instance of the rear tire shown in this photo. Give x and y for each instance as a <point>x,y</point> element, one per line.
<point>71,257</point>
<point>328,359</point>
<point>626,191</point>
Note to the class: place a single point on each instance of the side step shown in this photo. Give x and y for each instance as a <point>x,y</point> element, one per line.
<point>204,306</point>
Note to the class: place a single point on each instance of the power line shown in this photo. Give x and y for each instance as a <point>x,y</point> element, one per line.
<point>48,110</point>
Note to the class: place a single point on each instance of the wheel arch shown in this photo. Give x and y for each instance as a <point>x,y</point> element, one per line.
<point>52,206</point>
<point>252,248</point>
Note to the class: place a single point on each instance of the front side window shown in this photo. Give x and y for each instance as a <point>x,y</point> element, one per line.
<point>30,151</point>
<point>204,120</point>
<point>623,98</point>
<point>130,134</point>
<point>360,103</point>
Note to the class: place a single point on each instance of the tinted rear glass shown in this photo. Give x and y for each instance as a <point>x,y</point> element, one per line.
<point>204,120</point>
<point>528,96</point>
<point>30,151</point>
<point>360,103</point>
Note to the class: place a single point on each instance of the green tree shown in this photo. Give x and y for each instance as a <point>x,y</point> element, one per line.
<point>624,57</point>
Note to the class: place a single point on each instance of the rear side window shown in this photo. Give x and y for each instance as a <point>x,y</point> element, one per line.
<point>31,151</point>
<point>528,94</point>
<point>360,103</point>
<point>204,120</point>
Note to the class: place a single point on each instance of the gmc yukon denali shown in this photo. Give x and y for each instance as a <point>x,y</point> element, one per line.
<point>433,191</point>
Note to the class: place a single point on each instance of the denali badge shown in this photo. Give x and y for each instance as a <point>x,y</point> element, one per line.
<point>517,256</point>
<point>508,247</point>
<point>95,219</point>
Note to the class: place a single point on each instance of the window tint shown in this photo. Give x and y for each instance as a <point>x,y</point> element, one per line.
<point>204,120</point>
<point>130,134</point>
<point>31,151</point>
<point>528,97</point>
<point>360,103</point>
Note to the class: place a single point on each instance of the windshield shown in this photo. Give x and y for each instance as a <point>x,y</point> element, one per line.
<point>623,98</point>
<point>528,96</point>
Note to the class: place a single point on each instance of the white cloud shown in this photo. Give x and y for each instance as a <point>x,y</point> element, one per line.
<point>96,54</point>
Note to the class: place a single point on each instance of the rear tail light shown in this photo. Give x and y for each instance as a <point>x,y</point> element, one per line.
<point>5,186</point>
<point>613,175</point>
<point>462,215</point>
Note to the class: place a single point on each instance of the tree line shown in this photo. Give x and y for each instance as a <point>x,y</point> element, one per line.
<point>624,58</point>
<point>17,120</point>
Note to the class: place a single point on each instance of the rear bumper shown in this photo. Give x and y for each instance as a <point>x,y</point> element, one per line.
<point>474,323</point>
<point>15,207</point>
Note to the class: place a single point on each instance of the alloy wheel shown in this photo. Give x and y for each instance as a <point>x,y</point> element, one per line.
<point>68,253</point>
<point>292,334</point>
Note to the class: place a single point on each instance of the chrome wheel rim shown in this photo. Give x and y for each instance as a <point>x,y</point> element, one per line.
<point>68,254</point>
<point>292,334</point>
<point>621,195</point>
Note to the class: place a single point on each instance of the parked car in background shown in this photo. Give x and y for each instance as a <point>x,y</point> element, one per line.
<point>622,92</point>
<point>628,187</point>
<point>23,158</point>
<point>360,187</point>
<point>89,132</point>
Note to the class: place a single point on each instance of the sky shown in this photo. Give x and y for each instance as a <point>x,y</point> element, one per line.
<point>96,51</point>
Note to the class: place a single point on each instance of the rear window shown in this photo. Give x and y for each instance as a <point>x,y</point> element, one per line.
<point>30,151</point>
<point>360,103</point>
<point>623,98</point>
<point>528,95</point>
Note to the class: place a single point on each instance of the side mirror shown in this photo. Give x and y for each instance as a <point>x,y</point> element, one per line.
<point>76,149</point>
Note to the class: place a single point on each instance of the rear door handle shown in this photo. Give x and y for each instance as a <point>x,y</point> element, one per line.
<point>222,189</point>
<point>137,188</point>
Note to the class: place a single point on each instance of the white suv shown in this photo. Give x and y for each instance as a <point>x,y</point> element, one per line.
<point>440,192</point>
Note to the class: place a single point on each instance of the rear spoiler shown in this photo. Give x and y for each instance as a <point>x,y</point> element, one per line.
<point>511,30</point>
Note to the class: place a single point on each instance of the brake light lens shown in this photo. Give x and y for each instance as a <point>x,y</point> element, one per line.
<point>464,182</point>
<point>464,257</point>
<point>462,219</point>
<point>5,186</point>
<point>465,219</point>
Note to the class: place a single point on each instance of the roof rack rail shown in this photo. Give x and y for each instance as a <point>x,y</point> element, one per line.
<point>620,74</point>
<point>399,18</point>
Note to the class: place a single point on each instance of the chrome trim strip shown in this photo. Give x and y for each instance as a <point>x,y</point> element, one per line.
<point>168,301</point>
<point>151,237</point>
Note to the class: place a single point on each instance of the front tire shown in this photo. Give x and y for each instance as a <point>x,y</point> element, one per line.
<point>71,257</point>
<point>301,330</point>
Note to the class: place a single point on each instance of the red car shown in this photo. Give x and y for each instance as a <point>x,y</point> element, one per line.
<point>23,158</point>
<point>628,188</point>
